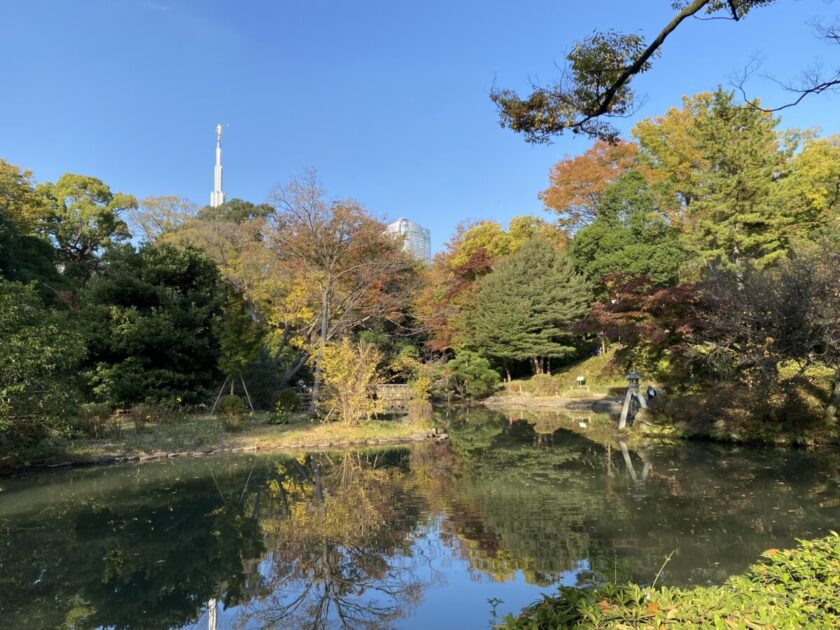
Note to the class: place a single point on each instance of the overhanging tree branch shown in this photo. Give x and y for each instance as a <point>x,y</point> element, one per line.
<point>596,84</point>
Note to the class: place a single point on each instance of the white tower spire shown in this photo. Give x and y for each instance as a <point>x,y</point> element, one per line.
<point>217,197</point>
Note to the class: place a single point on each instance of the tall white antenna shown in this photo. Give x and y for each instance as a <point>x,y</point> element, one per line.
<point>217,197</point>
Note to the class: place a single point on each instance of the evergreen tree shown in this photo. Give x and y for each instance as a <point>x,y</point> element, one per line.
<point>716,167</point>
<point>149,319</point>
<point>525,307</point>
<point>629,236</point>
<point>734,219</point>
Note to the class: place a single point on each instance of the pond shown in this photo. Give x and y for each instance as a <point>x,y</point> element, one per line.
<point>427,536</point>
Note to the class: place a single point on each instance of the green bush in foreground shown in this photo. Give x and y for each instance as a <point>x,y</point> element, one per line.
<point>287,401</point>
<point>232,407</point>
<point>796,588</point>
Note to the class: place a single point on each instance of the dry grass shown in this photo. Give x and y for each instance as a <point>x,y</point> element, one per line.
<point>194,434</point>
<point>601,374</point>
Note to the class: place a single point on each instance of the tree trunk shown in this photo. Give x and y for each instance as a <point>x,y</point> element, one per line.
<point>294,368</point>
<point>535,363</point>
<point>325,321</point>
<point>831,412</point>
<point>507,372</point>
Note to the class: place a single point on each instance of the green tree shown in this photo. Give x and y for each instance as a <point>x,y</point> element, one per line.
<point>717,168</point>
<point>628,236</point>
<point>149,319</point>
<point>84,220</point>
<point>20,202</point>
<point>39,353</point>
<point>525,308</point>
<point>469,375</point>
<point>24,257</point>
<point>236,211</point>
<point>811,189</point>
<point>733,219</point>
<point>449,283</point>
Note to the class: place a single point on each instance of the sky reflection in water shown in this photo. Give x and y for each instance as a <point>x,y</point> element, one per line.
<point>417,537</point>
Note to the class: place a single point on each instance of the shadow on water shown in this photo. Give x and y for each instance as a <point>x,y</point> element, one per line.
<point>377,539</point>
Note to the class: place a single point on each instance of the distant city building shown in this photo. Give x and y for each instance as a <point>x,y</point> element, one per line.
<point>217,197</point>
<point>417,240</point>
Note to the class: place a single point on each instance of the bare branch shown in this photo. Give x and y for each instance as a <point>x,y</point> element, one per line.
<point>811,80</point>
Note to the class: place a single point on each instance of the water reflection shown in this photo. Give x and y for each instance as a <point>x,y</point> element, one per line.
<point>339,534</point>
<point>125,547</point>
<point>511,506</point>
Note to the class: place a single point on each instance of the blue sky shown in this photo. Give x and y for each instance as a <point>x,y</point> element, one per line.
<point>387,99</point>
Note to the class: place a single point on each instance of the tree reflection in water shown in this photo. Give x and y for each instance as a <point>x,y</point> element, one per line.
<point>531,492</point>
<point>339,530</point>
<point>361,539</point>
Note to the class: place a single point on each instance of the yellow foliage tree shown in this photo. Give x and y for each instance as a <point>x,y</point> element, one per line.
<point>349,371</point>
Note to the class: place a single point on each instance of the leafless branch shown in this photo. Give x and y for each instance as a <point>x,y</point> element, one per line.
<point>811,80</point>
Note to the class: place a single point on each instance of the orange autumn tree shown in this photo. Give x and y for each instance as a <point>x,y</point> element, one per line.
<point>576,184</point>
<point>354,272</point>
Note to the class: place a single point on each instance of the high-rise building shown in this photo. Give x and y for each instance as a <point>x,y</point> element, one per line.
<point>417,240</point>
<point>217,197</point>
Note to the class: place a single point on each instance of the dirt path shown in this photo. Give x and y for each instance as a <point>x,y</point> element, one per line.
<point>601,404</point>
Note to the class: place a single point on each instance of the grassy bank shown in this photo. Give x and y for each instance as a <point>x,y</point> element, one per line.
<point>798,588</point>
<point>601,375</point>
<point>204,434</point>
<point>787,412</point>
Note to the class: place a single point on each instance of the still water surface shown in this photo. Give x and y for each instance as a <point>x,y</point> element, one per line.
<point>419,537</point>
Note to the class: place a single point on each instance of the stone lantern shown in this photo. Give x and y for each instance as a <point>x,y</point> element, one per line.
<point>633,394</point>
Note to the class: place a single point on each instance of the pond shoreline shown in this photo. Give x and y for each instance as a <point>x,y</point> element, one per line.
<point>713,430</point>
<point>589,404</point>
<point>259,439</point>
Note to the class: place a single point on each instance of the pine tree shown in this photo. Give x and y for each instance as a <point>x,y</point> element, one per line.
<point>525,307</point>
<point>736,220</point>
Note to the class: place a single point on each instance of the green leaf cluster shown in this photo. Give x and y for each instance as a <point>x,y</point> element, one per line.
<point>629,236</point>
<point>39,353</point>
<point>149,322</point>
<point>469,375</point>
<point>797,588</point>
<point>525,308</point>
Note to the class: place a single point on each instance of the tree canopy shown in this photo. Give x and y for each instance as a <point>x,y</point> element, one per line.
<point>526,307</point>
<point>149,322</point>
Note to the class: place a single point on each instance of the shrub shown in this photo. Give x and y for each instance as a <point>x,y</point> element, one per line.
<point>419,410</point>
<point>541,385</point>
<point>350,375</point>
<point>469,375</point>
<point>421,386</point>
<point>39,355</point>
<point>280,417</point>
<point>232,407</point>
<point>93,419</point>
<point>796,588</point>
<point>139,416</point>
<point>156,413</point>
<point>286,401</point>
